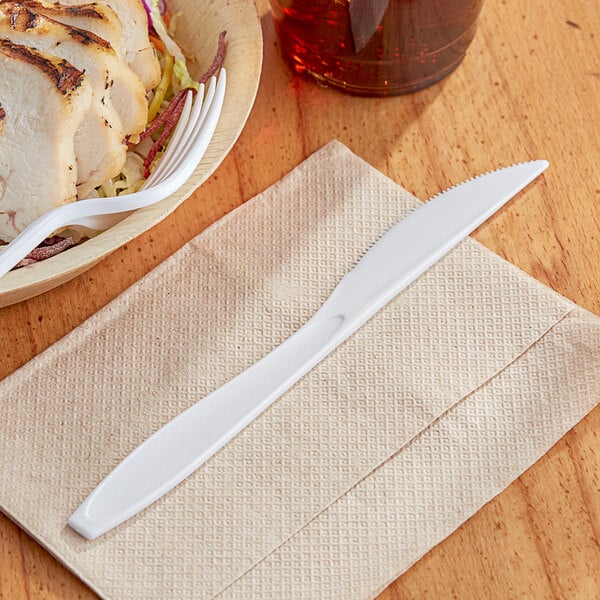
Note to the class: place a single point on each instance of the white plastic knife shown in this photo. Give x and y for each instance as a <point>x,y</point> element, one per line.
<point>403,253</point>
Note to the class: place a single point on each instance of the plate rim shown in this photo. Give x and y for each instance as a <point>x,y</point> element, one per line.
<point>36,279</point>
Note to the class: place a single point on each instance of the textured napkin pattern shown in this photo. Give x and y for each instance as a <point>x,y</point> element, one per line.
<point>426,413</point>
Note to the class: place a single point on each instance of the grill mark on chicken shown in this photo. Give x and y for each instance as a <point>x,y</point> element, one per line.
<point>87,37</point>
<point>64,76</point>
<point>24,19</point>
<point>135,44</point>
<point>89,11</point>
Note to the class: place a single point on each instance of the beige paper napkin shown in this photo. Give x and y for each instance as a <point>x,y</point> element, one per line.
<point>426,413</point>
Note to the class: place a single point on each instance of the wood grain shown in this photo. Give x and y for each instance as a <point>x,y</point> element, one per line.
<point>529,88</point>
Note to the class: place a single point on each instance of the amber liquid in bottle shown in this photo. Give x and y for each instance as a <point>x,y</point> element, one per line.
<point>415,43</point>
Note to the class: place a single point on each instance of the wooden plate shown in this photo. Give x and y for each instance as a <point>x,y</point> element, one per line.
<point>197,33</point>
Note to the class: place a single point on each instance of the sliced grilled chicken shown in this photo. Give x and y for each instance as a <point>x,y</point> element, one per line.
<point>100,19</point>
<point>99,144</point>
<point>44,101</point>
<point>137,49</point>
<point>126,90</point>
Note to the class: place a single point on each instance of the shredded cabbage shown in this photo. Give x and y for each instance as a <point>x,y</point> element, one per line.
<point>129,180</point>
<point>180,69</point>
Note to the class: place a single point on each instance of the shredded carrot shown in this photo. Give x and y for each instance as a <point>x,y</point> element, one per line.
<point>167,19</point>
<point>157,42</point>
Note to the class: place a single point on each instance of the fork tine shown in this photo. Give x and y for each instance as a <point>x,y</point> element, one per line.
<point>177,139</point>
<point>204,107</point>
<point>208,103</point>
<point>167,168</point>
<point>197,142</point>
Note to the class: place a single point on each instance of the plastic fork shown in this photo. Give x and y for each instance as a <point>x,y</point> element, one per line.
<point>184,151</point>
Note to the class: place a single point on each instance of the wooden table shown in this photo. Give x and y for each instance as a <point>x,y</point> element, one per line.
<point>529,88</point>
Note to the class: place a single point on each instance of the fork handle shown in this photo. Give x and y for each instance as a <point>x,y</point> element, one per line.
<point>26,241</point>
<point>35,233</point>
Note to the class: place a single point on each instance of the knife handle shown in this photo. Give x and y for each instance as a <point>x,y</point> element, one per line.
<point>177,449</point>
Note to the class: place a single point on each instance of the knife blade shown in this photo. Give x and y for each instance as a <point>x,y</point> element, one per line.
<point>401,255</point>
